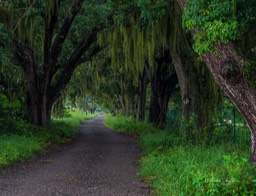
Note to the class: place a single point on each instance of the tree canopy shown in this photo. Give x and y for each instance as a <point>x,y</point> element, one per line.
<point>132,57</point>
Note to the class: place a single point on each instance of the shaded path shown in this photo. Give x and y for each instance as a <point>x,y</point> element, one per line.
<point>99,162</point>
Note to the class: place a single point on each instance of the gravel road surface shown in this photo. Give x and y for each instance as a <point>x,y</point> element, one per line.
<point>98,162</point>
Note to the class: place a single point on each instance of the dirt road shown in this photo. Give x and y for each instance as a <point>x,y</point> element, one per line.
<point>98,162</point>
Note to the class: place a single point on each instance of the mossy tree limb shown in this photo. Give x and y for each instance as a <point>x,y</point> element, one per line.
<point>199,93</point>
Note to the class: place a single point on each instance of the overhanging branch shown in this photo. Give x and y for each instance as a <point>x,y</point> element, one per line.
<point>50,24</point>
<point>72,63</point>
<point>64,30</point>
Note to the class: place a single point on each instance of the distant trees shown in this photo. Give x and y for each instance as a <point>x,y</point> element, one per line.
<point>152,43</point>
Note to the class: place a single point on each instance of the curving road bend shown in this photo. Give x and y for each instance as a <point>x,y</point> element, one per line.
<point>99,162</point>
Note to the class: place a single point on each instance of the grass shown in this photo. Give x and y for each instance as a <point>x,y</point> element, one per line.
<point>127,125</point>
<point>15,148</point>
<point>173,168</point>
<point>23,141</point>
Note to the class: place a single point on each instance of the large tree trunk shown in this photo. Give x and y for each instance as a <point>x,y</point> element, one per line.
<point>143,83</point>
<point>197,92</point>
<point>196,84</point>
<point>39,109</point>
<point>163,83</point>
<point>39,102</point>
<point>187,88</point>
<point>226,68</point>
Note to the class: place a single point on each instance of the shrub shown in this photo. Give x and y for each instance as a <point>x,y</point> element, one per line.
<point>238,178</point>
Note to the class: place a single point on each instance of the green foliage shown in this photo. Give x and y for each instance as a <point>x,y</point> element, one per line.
<point>10,109</point>
<point>199,171</point>
<point>188,132</point>
<point>105,85</point>
<point>3,35</point>
<point>157,141</point>
<point>152,10</point>
<point>237,178</point>
<point>6,104</point>
<point>249,71</point>
<point>191,134</point>
<point>20,140</point>
<point>213,21</point>
<point>172,168</point>
<point>9,125</point>
<point>138,36</point>
<point>11,76</point>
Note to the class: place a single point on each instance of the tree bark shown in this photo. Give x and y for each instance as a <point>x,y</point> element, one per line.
<point>39,101</point>
<point>226,68</point>
<point>195,85</point>
<point>184,74</point>
<point>237,88</point>
<point>143,83</point>
<point>122,104</point>
<point>41,112</point>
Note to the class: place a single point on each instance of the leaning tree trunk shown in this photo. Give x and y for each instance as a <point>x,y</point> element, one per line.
<point>226,68</point>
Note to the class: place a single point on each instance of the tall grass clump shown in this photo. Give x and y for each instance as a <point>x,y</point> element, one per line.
<point>173,167</point>
<point>15,147</point>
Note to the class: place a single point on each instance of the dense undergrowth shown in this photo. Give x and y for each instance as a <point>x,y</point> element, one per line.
<point>20,140</point>
<point>173,167</point>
